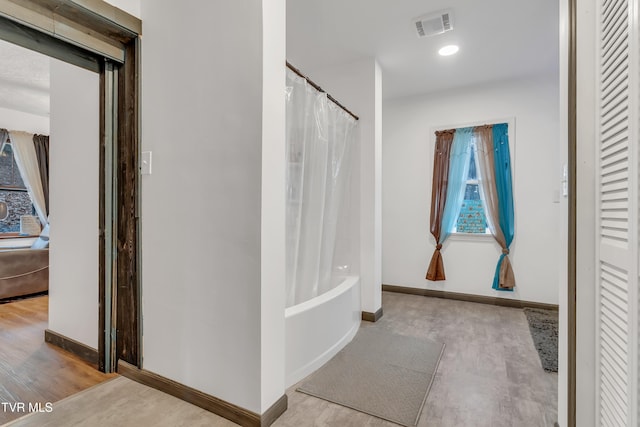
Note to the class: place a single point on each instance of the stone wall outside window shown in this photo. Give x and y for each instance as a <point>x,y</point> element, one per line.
<point>19,204</point>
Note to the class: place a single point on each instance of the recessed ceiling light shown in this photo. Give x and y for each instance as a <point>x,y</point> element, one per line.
<point>449,50</point>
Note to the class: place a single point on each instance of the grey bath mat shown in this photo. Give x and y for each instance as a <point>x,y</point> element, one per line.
<point>379,373</point>
<point>543,325</point>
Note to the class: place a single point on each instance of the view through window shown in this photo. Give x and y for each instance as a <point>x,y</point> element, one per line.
<point>13,192</point>
<point>472,218</point>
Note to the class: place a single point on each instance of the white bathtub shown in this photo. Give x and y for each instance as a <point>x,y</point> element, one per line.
<point>317,329</point>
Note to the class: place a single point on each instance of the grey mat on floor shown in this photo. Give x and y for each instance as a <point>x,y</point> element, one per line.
<point>543,325</point>
<point>379,373</point>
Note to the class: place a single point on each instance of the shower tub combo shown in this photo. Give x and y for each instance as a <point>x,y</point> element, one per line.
<point>318,328</point>
<point>322,290</point>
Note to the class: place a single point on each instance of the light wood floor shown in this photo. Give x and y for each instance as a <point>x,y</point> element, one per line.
<point>32,371</point>
<point>489,376</point>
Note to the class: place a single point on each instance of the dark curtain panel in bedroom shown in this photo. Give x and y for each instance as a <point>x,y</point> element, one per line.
<point>41,143</point>
<point>441,156</point>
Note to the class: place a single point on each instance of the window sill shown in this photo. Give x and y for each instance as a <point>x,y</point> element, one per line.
<point>17,243</point>
<point>16,236</point>
<point>471,237</point>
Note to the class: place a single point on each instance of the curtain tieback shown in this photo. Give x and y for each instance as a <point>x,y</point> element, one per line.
<point>438,246</point>
<point>505,251</point>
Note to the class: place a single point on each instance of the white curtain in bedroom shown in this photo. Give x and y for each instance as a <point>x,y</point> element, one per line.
<point>320,138</point>
<point>4,137</point>
<point>24,153</point>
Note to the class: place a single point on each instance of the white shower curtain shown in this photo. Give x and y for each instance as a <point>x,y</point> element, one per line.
<point>320,138</point>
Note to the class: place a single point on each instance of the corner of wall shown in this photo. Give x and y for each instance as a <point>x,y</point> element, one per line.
<point>273,207</point>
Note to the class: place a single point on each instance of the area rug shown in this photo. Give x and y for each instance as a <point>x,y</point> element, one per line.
<point>543,325</point>
<point>380,373</point>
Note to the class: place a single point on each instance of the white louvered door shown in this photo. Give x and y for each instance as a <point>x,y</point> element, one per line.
<point>617,217</point>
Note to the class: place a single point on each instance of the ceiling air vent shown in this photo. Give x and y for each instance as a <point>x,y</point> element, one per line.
<point>434,23</point>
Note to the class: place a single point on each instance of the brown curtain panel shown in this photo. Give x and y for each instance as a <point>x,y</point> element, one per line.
<point>441,156</point>
<point>41,143</point>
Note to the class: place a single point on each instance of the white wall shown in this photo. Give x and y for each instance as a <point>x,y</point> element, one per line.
<point>407,164</point>
<point>18,120</point>
<point>132,7</point>
<point>73,199</point>
<point>204,300</point>
<point>358,86</point>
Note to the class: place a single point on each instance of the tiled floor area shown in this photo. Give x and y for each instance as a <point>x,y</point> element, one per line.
<point>489,375</point>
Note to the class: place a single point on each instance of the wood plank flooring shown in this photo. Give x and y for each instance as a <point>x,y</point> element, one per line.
<point>32,371</point>
<point>489,376</point>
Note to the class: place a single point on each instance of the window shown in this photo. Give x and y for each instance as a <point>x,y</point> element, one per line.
<point>13,192</point>
<point>9,174</point>
<point>472,170</point>
<point>472,218</point>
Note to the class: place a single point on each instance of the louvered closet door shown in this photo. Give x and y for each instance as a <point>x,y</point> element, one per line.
<point>617,205</point>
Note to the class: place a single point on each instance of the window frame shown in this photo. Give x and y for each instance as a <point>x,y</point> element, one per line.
<point>511,126</point>
<point>472,182</point>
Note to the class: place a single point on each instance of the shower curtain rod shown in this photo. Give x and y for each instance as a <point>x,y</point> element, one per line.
<point>319,89</point>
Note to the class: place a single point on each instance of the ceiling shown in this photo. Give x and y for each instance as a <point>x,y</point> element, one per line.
<point>498,40</point>
<point>24,80</point>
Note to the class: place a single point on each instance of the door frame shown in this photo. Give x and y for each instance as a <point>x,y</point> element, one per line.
<point>572,213</point>
<point>101,38</point>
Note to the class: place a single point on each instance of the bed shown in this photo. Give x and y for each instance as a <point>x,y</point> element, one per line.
<point>25,271</point>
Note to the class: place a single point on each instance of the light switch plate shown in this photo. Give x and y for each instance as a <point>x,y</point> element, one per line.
<point>145,169</point>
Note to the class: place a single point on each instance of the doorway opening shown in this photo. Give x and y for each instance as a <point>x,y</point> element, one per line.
<point>49,234</point>
<point>107,50</point>
<point>420,90</point>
